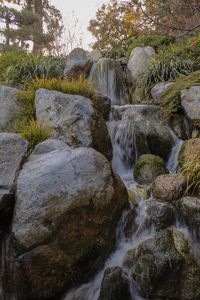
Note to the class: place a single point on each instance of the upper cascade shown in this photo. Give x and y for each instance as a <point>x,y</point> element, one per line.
<point>107,76</point>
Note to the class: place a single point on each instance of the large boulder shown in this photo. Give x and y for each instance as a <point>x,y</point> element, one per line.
<point>115,285</point>
<point>139,60</point>
<point>169,187</point>
<point>73,119</point>
<point>165,267</point>
<point>78,64</point>
<point>8,105</point>
<point>190,100</point>
<point>67,208</point>
<point>13,150</point>
<point>158,90</point>
<point>148,167</point>
<point>190,213</point>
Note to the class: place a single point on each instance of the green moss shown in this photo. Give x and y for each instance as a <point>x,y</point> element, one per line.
<point>148,167</point>
<point>172,95</point>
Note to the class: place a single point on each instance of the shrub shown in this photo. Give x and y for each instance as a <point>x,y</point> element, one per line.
<point>158,42</point>
<point>181,58</point>
<point>8,59</point>
<point>163,69</point>
<point>32,67</point>
<point>34,132</point>
<point>172,96</point>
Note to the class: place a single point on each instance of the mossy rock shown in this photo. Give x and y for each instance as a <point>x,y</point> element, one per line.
<point>148,167</point>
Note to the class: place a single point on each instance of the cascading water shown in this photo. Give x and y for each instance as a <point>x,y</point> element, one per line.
<point>109,71</point>
<point>125,153</point>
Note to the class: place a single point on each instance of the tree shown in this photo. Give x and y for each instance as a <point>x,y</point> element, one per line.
<point>171,17</point>
<point>35,26</point>
<point>114,24</point>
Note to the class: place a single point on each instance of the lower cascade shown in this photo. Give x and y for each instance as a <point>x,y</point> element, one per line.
<point>155,248</point>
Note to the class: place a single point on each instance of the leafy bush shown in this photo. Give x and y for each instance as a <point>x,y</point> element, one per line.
<point>172,96</point>
<point>32,67</point>
<point>34,132</point>
<point>164,69</point>
<point>8,59</point>
<point>158,42</point>
<point>27,97</point>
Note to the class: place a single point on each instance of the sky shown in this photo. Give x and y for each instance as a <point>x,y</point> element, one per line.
<point>84,10</point>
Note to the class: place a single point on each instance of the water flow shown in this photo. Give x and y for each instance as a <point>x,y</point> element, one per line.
<point>107,75</point>
<point>172,164</point>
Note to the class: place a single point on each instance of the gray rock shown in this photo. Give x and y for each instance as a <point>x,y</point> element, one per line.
<point>165,267</point>
<point>190,213</point>
<point>73,119</point>
<point>95,55</point>
<point>169,187</point>
<point>139,60</point>
<point>190,100</point>
<point>67,208</point>
<point>49,146</point>
<point>8,105</point>
<point>157,91</point>
<point>12,152</point>
<point>78,63</point>
<point>160,215</point>
<point>115,285</point>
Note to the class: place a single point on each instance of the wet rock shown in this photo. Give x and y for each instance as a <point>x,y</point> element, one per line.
<point>157,91</point>
<point>78,64</point>
<point>115,285</point>
<point>73,119</point>
<point>190,100</point>
<point>139,60</point>
<point>8,105</point>
<point>102,104</point>
<point>67,208</point>
<point>148,167</point>
<point>181,125</point>
<point>190,212</point>
<point>160,215</point>
<point>107,77</point>
<point>12,152</point>
<point>169,187</point>
<point>165,267</point>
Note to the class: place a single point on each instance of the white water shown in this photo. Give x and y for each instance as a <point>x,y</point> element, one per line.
<point>109,71</point>
<point>172,163</point>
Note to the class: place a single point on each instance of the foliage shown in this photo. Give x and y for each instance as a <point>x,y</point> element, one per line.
<point>158,42</point>
<point>32,67</point>
<point>34,132</point>
<point>172,96</point>
<point>169,17</point>
<point>114,24</point>
<point>8,59</point>
<point>35,26</point>
<point>181,58</point>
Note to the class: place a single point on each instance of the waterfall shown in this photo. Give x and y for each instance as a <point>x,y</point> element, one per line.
<point>172,163</point>
<point>107,76</point>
